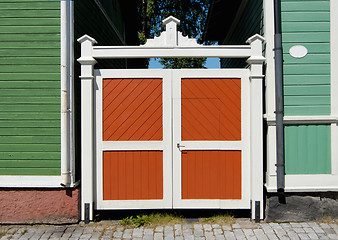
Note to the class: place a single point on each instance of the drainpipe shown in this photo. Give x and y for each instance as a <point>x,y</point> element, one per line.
<point>279,102</point>
<point>65,63</point>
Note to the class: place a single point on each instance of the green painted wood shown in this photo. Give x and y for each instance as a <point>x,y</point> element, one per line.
<point>30,171</point>
<point>28,116</point>
<point>29,123</point>
<point>29,52</point>
<point>313,48</point>
<point>307,90</point>
<point>30,76</point>
<point>30,92</point>
<point>28,68</point>
<point>306,100</point>
<point>30,164</point>
<point>309,59</point>
<point>29,21</point>
<point>306,26</point>
<point>314,110</point>
<point>35,45</point>
<point>30,107</point>
<point>30,87</point>
<point>305,16</point>
<point>18,84</point>
<point>29,100</point>
<point>30,131</point>
<point>307,79</point>
<point>308,37</point>
<point>308,149</point>
<point>29,156</point>
<point>48,37</point>
<point>29,13</point>
<point>9,147</point>
<point>316,69</point>
<point>305,6</point>
<point>54,5</point>
<point>290,80</point>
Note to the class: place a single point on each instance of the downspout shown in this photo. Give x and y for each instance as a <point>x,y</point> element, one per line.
<point>65,62</point>
<point>279,101</point>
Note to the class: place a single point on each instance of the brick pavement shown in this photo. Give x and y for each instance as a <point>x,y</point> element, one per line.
<point>242,229</point>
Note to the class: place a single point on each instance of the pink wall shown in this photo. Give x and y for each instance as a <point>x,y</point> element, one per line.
<point>39,205</point>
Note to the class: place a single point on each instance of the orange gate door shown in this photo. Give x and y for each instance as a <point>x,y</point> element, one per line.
<point>210,140</point>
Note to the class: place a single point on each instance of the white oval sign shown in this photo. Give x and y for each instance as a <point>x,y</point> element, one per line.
<point>298,51</point>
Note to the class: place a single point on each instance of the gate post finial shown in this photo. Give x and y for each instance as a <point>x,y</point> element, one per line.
<point>171,30</point>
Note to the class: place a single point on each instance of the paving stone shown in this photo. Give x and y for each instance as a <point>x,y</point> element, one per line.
<point>158,236</point>
<point>178,226</point>
<point>236,225</point>
<point>169,238</point>
<point>313,236</point>
<point>209,235</point>
<point>117,234</point>
<point>168,228</point>
<point>275,226</point>
<point>127,233</point>
<point>249,234</point>
<point>207,227</point>
<point>285,225</point>
<point>148,237</point>
<point>186,226</point>
<point>218,231</point>
<point>187,232</point>
<point>189,237</point>
<point>239,234</point>
<point>199,238</point>
<point>158,229</point>
<point>138,233</point>
<point>226,227</point>
<point>329,230</point>
<point>299,230</point>
<point>303,236</point>
<point>220,237</point>
<point>179,238</point>
<point>229,235</point>
<point>309,230</point>
<point>148,231</point>
<point>178,233</point>
<point>324,225</point>
<point>198,226</point>
<point>267,228</point>
<point>281,234</point>
<point>86,236</point>
<point>198,233</point>
<point>216,226</point>
<point>318,230</point>
<point>322,236</point>
<point>259,233</point>
<point>295,225</point>
<point>272,236</point>
<point>333,236</point>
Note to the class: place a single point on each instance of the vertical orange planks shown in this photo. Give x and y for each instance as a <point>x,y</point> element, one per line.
<point>211,175</point>
<point>132,175</point>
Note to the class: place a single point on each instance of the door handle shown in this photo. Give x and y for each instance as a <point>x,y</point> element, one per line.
<point>179,146</point>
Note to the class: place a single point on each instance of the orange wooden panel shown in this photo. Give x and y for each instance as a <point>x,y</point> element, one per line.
<point>132,175</point>
<point>132,109</point>
<point>211,175</point>
<point>211,109</point>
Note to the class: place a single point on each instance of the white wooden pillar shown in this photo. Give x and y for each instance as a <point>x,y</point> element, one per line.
<point>256,128</point>
<point>87,127</point>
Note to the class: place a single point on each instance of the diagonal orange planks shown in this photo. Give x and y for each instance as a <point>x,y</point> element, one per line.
<point>211,109</point>
<point>132,175</point>
<point>132,109</point>
<point>211,175</point>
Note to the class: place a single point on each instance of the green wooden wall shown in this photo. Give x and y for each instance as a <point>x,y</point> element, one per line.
<point>29,87</point>
<point>307,149</point>
<point>306,80</point>
<point>250,23</point>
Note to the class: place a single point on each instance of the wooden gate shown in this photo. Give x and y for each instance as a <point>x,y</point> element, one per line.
<point>171,138</point>
<point>181,148</point>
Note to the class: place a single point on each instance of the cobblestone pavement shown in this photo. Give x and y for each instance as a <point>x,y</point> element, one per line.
<point>242,229</point>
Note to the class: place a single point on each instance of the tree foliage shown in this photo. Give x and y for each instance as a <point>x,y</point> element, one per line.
<point>191,13</point>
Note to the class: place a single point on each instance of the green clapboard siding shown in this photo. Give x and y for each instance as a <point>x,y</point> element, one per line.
<point>308,149</point>
<point>30,87</point>
<point>307,80</point>
<point>251,22</point>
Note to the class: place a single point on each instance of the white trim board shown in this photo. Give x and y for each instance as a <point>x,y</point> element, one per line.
<point>31,181</point>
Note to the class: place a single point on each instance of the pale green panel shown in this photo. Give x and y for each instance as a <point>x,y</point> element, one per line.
<point>305,6</point>
<point>307,90</point>
<point>306,37</point>
<point>303,110</point>
<point>305,16</point>
<point>309,59</point>
<point>306,26</point>
<point>313,48</point>
<point>316,69</point>
<point>305,79</point>
<point>308,149</point>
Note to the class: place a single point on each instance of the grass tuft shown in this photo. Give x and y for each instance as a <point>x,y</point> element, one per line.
<point>222,219</point>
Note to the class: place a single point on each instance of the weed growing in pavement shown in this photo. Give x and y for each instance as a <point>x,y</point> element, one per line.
<point>152,219</point>
<point>223,219</point>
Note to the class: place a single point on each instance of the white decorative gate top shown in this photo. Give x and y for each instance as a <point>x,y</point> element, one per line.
<point>233,136</point>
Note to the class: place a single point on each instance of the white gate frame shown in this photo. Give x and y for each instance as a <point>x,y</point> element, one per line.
<point>171,43</point>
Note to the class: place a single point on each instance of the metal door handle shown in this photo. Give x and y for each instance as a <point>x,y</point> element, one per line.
<point>179,146</point>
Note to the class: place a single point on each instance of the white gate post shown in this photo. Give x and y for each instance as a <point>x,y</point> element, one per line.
<point>87,128</point>
<point>256,129</point>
